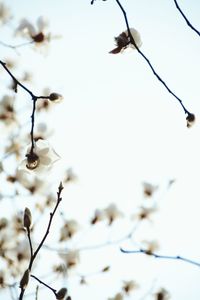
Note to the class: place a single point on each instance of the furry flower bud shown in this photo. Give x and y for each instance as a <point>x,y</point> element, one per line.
<point>55,97</point>
<point>27,218</point>
<point>61,294</point>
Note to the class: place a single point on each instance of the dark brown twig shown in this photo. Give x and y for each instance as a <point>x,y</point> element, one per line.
<point>186,19</point>
<point>35,253</point>
<point>60,188</point>
<point>42,282</point>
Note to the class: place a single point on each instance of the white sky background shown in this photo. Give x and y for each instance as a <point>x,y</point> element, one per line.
<point>118,126</point>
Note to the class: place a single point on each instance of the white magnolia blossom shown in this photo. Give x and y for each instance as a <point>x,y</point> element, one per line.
<point>71,258</point>
<point>42,158</point>
<point>123,41</point>
<point>5,14</point>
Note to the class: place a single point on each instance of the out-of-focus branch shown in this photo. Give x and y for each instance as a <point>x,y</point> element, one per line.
<point>186,19</point>
<point>148,61</point>
<point>178,257</point>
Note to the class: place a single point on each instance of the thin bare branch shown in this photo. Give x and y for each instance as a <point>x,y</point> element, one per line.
<point>146,252</point>
<point>186,19</point>
<point>148,61</point>
<point>42,282</point>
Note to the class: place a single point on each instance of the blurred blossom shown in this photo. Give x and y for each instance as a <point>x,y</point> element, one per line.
<point>22,250</point>
<point>5,14</point>
<point>144,213</point>
<point>112,213</point>
<point>123,41</point>
<point>37,33</point>
<point>129,286</point>
<point>149,189</point>
<point>162,294</point>
<point>42,132</point>
<point>118,296</point>
<point>71,258</point>
<point>150,246</point>
<point>69,176</point>
<point>99,215</point>
<point>60,269</point>
<point>7,112</point>
<point>68,230</point>
<point>31,183</point>
<point>49,200</point>
<point>3,223</point>
<point>27,77</point>
<point>14,147</point>
<point>41,159</point>
<point>2,279</point>
<point>10,63</point>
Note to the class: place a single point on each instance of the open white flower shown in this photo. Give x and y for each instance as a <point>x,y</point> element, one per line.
<point>123,41</point>
<point>40,159</point>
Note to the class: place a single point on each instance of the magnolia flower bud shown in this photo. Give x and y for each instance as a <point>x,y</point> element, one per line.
<point>190,119</point>
<point>27,218</point>
<point>55,97</point>
<point>61,294</point>
<point>32,161</point>
<point>25,279</point>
